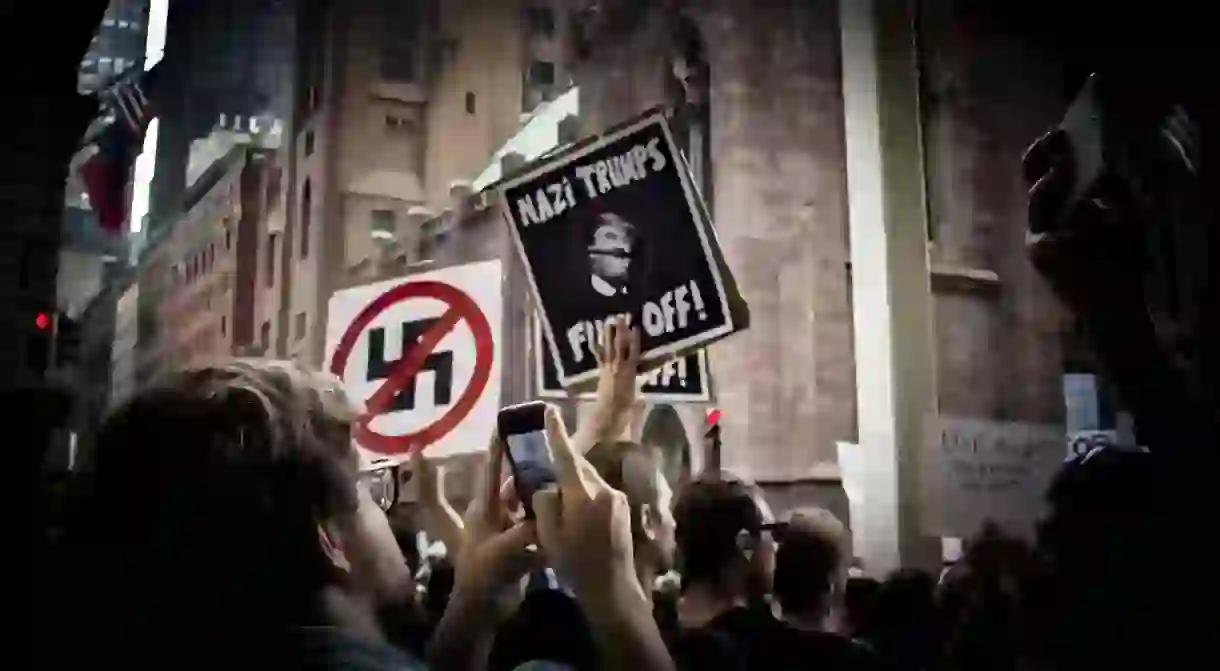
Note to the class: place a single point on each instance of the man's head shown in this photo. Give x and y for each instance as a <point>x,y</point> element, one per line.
<point>610,248</point>
<point>234,491</point>
<point>724,539</point>
<point>811,563</point>
<point>635,470</point>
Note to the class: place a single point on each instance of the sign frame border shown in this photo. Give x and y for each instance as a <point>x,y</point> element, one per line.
<point>698,215</point>
<point>649,397</point>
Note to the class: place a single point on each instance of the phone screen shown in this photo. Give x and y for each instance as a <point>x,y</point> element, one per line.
<point>531,461</point>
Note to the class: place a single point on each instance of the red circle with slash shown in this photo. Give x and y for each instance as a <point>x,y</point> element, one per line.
<point>460,307</point>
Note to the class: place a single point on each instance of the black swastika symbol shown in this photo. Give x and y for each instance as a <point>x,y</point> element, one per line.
<point>440,363</point>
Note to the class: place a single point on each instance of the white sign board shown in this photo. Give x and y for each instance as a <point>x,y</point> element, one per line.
<point>975,471</point>
<point>422,353</point>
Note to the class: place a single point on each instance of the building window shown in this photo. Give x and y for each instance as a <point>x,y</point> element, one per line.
<point>384,224</point>
<point>541,73</point>
<point>470,102</point>
<point>264,336</point>
<point>540,20</point>
<point>399,40</point>
<point>270,263</point>
<point>309,143</point>
<point>299,327</point>
<point>398,124</point>
<point>224,325</point>
<point>306,216</point>
<point>228,238</point>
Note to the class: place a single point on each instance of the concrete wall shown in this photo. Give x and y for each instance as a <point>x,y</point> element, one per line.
<point>989,93</point>
<point>123,357</point>
<point>484,56</point>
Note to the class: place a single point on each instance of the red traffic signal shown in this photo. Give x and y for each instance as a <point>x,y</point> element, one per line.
<point>42,321</point>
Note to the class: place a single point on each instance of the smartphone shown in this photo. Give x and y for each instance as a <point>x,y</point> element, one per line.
<point>523,430</point>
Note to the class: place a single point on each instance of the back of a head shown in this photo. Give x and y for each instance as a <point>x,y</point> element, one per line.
<point>1113,518</point>
<point>710,513</point>
<point>201,514</point>
<point>810,563</point>
<point>859,604</point>
<point>633,469</point>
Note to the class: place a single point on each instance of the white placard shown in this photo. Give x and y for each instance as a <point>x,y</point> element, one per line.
<point>451,402</point>
<point>975,471</point>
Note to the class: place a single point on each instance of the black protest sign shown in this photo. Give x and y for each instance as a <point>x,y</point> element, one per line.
<point>618,228</point>
<point>684,379</point>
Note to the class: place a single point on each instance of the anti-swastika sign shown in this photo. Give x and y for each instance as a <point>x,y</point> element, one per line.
<point>422,353</point>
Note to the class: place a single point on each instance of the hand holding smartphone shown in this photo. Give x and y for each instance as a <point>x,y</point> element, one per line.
<point>523,430</point>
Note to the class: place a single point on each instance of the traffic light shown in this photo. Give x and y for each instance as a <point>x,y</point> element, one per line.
<point>67,340</point>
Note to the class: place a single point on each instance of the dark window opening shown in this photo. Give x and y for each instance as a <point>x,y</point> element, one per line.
<point>270,262</point>
<point>399,41</point>
<point>309,143</point>
<point>470,102</point>
<point>306,216</point>
<point>541,73</point>
<point>299,327</point>
<point>541,21</point>
<point>384,224</point>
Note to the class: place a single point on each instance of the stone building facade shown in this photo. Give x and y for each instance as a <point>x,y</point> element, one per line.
<point>761,91</point>
<point>758,94</point>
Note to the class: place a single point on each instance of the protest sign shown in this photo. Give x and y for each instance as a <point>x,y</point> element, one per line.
<point>978,471</point>
<point>421,353</point>
<point>617,227</point>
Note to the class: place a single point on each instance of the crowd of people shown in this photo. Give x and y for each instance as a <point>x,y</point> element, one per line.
<point>229,522</point>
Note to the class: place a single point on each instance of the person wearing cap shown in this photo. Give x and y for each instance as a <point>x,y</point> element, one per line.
<point>610,255</point>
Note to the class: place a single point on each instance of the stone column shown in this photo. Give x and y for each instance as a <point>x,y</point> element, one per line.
<point>891,290</point>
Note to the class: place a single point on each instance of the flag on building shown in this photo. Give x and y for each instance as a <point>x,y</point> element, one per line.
<point>107,173</point>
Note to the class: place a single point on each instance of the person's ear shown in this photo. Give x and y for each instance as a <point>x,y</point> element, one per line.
<point>650,519</point>
<point>334,547</point>
<point>747,544</point>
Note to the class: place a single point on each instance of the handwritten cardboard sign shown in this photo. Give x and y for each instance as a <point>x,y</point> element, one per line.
<point>975,471</point>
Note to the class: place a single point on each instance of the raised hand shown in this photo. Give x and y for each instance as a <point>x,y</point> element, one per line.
<point>618,357</point>
<point>441,520</point>
<point>584,529</point>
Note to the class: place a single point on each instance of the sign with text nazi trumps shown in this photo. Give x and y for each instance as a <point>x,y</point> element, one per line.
<point>615,227</point>
<point>423,354</point>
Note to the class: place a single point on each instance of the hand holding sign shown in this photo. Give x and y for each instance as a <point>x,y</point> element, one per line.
<point>618,361</point>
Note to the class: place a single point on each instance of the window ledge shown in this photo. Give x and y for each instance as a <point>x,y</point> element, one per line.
<point>950,278</point>
<point>962,279</point>
<point>405,92</point>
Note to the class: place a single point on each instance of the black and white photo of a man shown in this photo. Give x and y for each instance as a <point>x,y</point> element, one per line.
<point>610,251</point>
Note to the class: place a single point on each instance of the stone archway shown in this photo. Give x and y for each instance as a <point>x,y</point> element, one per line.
<point>664,430</point>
